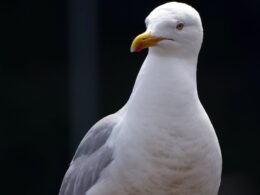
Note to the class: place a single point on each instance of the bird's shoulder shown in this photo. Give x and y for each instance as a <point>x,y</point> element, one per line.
<point>96,136</point>
<point>91,158</point>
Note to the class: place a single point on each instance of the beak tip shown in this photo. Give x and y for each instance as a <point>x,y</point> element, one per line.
<point>132,49</point>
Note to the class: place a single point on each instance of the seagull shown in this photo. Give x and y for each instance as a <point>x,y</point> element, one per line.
<point>161,142</point>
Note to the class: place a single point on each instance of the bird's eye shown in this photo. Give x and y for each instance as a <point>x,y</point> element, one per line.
<point>179,26</point>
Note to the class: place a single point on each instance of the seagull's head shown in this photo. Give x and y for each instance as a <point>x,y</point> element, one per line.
<point>172,28</point>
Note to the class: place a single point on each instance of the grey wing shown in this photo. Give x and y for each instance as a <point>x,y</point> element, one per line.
<point>90,159</point>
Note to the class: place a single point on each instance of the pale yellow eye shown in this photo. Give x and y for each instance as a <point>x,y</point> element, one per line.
<point>179,26</point>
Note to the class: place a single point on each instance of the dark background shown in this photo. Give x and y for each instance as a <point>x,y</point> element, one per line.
<point>66,64</point>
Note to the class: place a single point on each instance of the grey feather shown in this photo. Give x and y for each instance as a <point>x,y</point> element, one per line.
<point>90,159</point>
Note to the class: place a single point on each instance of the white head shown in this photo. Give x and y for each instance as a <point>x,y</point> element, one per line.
<point>172,28</point>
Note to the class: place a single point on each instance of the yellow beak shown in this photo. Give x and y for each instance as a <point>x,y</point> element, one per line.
<point>143,41</point>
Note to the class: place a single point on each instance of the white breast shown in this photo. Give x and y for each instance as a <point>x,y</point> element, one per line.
<point>167,160</point>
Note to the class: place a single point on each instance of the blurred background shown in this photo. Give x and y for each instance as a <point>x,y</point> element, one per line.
<point>66,64</point>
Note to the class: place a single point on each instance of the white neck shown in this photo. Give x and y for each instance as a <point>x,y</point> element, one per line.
<point>165,86</point>
<point>165,124</point>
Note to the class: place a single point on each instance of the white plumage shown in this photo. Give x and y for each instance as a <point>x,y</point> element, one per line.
<point>162,140</point>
